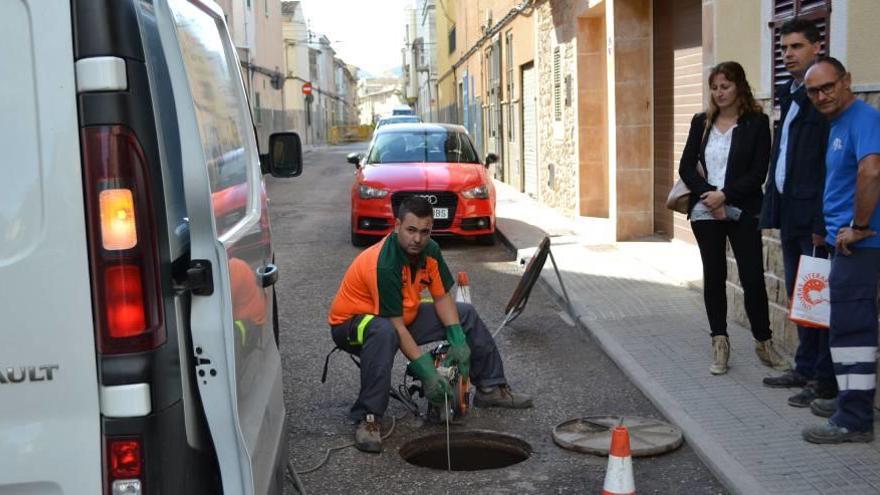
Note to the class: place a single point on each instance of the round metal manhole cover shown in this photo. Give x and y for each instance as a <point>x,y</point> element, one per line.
<point>468,451</point>
<point>592,435</point>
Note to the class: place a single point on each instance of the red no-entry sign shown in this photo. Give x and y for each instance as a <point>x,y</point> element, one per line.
<point>307,88</point>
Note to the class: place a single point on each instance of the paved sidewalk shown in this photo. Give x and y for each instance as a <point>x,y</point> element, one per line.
<point>638,300</point>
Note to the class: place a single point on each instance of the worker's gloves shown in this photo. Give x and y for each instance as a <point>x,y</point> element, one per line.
<point>436,388</point>
<point>459,353</point>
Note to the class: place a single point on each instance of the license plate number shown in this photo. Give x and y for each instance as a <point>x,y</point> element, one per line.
<point>441,213</point>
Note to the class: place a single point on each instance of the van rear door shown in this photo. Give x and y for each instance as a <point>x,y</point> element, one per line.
<point>50,438</point>
<point>239,374</point>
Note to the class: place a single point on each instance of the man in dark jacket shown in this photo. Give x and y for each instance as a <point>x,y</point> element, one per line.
<point>793,203</point>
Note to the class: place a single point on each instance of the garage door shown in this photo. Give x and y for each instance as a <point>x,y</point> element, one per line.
<point>530,131</point>
<point>678,95</point>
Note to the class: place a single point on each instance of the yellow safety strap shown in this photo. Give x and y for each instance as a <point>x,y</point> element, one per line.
<point>362,326</point>
<point>242,331</point>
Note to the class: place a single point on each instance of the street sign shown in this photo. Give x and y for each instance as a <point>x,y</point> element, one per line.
<point>307,88</point>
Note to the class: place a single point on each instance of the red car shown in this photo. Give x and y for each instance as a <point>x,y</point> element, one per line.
<point>437,161</point>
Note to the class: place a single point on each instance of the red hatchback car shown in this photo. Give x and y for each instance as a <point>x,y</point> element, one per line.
<point>436,161</point>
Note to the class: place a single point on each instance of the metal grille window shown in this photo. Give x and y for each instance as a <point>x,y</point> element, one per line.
<point>557,85</point>
<point>818,11</point>
<point>511,134</point>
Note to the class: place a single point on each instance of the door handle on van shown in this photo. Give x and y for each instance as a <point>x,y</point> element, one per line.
<point>268,275</point>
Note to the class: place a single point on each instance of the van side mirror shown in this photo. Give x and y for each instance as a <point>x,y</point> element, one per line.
<point>354,158</point>
<point>490,159</point>
<point>285,155</point>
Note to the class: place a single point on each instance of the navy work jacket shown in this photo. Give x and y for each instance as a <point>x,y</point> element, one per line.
<point>797,212</point>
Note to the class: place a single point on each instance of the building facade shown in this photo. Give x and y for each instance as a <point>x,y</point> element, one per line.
<point>377,97</point>
<point>296,70</point>
<point>255,28</point>
<point>588,102</point>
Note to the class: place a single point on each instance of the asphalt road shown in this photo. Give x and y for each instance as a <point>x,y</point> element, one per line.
<point>567,374</point>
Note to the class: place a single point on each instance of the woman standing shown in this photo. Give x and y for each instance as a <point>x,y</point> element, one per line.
<point>724,164</point>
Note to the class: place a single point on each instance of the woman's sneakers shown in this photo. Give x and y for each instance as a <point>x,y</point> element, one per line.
<point>769,357</point>
<point>720,354</point>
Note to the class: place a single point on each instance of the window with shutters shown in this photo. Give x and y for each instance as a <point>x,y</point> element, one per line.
<point>818,11</point>
<point>490,91</point>
<point>557,85</point>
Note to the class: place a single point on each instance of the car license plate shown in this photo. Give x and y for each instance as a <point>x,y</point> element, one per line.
<point>441,213</point>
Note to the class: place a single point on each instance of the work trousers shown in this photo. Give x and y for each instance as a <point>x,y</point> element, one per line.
<point>381,344</point>
<point>745,239</point>
<point>853,339</point>
<point>813,357</point>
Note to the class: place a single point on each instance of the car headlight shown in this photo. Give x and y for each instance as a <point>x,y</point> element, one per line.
<point>367,192</point>
<point>479,192</point>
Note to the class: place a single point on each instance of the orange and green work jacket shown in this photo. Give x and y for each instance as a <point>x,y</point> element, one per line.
<point>384,281</point>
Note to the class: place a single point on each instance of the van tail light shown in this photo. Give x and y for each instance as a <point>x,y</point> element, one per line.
<point>124,466</point>
<point>122,242</point>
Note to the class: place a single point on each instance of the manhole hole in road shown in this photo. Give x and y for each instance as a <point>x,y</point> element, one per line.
<point>468,451</point>
<point>592,435</point>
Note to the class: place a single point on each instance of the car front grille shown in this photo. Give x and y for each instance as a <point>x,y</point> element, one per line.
<point>444,199</point>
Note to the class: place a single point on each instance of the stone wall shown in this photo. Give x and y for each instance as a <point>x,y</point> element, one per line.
<point>556,26</point>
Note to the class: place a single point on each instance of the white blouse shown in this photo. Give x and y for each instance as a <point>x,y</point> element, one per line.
<point>715,158</point>
<point>717,149</point>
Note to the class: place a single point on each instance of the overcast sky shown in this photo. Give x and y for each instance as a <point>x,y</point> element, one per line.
<point>365,33</point>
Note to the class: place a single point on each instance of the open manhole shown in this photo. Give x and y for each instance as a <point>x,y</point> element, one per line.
<point>592,435</point>
<point>468,451</point>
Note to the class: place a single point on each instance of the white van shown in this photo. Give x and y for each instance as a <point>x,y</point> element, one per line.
<point>137,352</point>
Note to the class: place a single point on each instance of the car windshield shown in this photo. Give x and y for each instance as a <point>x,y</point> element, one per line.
<point>423,147</point>
<point>399,120</point>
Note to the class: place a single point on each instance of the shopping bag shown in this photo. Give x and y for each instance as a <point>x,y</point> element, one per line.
<point>810,300</point>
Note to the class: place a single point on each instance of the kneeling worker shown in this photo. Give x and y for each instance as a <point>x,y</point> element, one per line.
<point>377,310</point>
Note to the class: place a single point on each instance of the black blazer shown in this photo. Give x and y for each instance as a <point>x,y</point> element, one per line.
<point>797,212</point>
<point>746,162</point>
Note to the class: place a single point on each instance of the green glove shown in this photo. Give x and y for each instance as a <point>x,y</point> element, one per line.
<point>436,388</point>
<point>459,353</point>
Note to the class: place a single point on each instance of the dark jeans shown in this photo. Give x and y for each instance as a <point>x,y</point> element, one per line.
<point>853,339</point>
<point>745,239</point>
<point>813,358</point>
<point>381,344</point>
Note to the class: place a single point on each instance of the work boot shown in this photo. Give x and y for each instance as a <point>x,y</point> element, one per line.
<point>824,408</point>
<point>367,436</point>
<point>790,379</point>
<point>803,398</point>
<point>501,396</point>
<point>720,354</point>
<point>769,357</point>
<point>832,433</point>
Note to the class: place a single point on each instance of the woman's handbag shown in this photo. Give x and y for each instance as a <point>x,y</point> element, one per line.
<point>680,195</point>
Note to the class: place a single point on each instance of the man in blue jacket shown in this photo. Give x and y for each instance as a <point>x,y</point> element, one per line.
<point>852,218</point>
<point>793,203</point>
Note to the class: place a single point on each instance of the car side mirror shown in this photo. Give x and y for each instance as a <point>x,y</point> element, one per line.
<point>490,159</point>
<point>285,155</point>
<point>354,158</point>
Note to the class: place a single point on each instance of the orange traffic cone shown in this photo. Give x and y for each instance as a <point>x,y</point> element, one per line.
<point>464,289</point>
<point>619,476</point>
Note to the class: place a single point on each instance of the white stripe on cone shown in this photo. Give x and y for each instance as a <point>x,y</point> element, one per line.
<point>619,477</point>
<point>463,294</point>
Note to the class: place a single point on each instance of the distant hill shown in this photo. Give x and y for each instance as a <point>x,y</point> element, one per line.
<point>393,72</point>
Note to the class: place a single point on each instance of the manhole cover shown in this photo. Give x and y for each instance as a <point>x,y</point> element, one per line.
<point>592,435</point>
<point>468,451</point>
